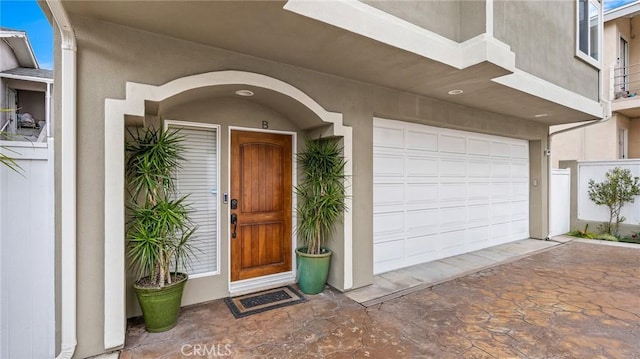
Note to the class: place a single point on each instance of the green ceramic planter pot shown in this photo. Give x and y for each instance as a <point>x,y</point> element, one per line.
<point>313,270</point>
<point>161,306</point>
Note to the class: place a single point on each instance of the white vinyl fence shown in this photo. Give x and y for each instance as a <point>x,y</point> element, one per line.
<point>27,298</point>
<point>596,170</point>
<point>560,202</point>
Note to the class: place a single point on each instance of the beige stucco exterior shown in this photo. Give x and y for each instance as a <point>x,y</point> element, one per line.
<point>598,142</point>
<point>154,59</point>
<point>556,35</point>
<point>601,141</point>
<point>111,56</point>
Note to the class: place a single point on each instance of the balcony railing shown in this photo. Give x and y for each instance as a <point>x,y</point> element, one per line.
<point>624,81</point>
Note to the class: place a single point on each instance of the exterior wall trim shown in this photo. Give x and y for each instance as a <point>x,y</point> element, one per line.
<point>365,20</point>
<point>360,18</point>
<point>134,105</point>
<point>524,81</point>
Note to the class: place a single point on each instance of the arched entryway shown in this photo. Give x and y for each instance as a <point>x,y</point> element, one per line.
<point>146,101</point>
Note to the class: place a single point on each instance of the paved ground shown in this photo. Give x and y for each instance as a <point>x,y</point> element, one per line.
<point>573,301</point>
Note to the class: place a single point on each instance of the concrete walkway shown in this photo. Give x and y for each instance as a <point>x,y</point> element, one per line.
<point>407,280</point>
<point>578,300</point>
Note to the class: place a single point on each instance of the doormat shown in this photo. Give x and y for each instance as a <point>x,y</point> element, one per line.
<point>248,304</point>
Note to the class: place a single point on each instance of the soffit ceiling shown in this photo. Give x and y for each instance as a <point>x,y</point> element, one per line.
<point>264,29</point>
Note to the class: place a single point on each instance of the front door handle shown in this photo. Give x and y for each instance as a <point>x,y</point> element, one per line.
<point>234,222</point>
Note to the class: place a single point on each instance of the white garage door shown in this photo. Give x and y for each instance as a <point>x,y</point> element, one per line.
<point>439,192</point>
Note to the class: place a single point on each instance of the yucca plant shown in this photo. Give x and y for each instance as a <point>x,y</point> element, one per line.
<point>321,192</point>
<point>159,226</point>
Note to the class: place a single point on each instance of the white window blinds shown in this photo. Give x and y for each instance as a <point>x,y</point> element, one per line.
<point>198,178</point>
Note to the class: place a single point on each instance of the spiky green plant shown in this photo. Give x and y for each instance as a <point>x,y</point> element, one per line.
<point>321,192</point>
<point>159,225</point>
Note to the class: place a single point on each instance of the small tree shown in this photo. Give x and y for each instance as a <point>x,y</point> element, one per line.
<point>619,188</point>
<point>321,192</point>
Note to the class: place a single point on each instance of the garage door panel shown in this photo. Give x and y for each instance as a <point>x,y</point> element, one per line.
<point>500,149</point>
<point>478,147</point>
<point>500,212</point>
<point>519,151</point>
<point>388,194</point>
<point>499,232</point>
<point>422,221</point>
<point>452,144</point>
<point>500,191</point>
<point>447,192</point>
<point>519,169</point>
<point>452,243</point>
<point>500,169</point>
<point>478,215</point>
<point>453,167</point>
<point>453,192</point>
<point>388,165</point>
<point>520,228</point>
<point>453,218</point>
<point>478,236</point>
<point>420,246</point>
<point>388,251</point>
<point>520,190</point>
<point>422,166</point>
<point>422,141</point>
<point>479,191</point>
<point>519,210</point>
<point>422,193</point>
<point>387,225</point>
<point>479,168</point>
<point>388,137</point>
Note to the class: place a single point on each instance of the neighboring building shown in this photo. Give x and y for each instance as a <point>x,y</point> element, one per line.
<point>25,89</point>
<point>618,137</point>
<point>443,108</point>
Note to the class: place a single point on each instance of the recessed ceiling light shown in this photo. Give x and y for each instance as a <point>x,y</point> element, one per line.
<point>541,115</point>
<point>245,93</point>
<point>455,92</point>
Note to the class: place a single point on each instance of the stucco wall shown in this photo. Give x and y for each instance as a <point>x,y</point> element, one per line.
<point>634,138</point>
<point>457,20</point>
<point>7,61</point>
<point>613,31</point>
<point>598,142</point>
<point>7,57</point>
<point>553,24</point>
<point>110,55</point>
<point>441,17</point>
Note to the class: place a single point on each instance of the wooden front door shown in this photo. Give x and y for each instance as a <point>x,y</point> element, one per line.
<point>260,204</point>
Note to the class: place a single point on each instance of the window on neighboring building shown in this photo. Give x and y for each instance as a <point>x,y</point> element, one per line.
<point>622,66</point>
<point>589,30</point>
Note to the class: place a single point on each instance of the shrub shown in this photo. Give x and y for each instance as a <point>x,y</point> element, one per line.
<point>619,188</point>
<point>607,237</point>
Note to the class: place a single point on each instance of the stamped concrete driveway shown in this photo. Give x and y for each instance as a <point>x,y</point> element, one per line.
<point>576,300</point>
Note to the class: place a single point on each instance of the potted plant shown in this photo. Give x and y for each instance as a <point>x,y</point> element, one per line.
<point>159,226</point>
<point>320,203</point>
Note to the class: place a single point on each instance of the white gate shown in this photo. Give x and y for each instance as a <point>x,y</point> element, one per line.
<point>27,307</point>
<point>560,202</point>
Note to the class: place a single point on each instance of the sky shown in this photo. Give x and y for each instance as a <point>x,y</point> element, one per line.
<point>26,15</point>
<point>612,4</point>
